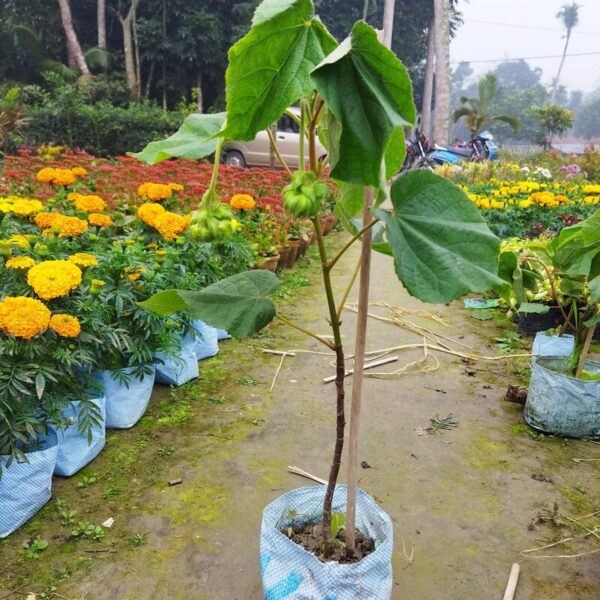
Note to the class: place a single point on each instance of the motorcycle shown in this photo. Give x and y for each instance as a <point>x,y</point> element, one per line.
<point>417,150</point>
<point>481,147</point>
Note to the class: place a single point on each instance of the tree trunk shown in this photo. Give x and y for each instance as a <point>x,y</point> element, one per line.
<point>101,19</point>
<point>388,22</point>
<point>428,84</point>
<point>562,62</point>
<point>136,49</point>
<point>74,49</point>
<point>441,120</point>
<point>128,49</point>
<point>365,10</point>
<point>199,84</point>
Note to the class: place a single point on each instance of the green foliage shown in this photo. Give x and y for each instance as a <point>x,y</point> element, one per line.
<point>194,139</point>
<point>587,121</point>
<point>67,516</point>
<point>338,522</point>
<point>476,111</point>
<point>269,68</point>
<point>100,129</point>
<point>441,245</point>
<point>88,480</point>
<point>237,304</point>
<point>34,548</point>
<point>88,531</point>
<point>368,91</point>
<point>554,119</point>
<point>139,539</point>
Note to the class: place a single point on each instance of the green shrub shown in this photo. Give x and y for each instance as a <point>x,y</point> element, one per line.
<point>100,129</point>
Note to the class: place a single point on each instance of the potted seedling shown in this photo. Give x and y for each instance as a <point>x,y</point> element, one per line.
<point>564,392</point>
<point>358,96</point>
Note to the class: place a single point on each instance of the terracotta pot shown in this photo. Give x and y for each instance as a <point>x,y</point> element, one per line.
<point>304,244</point>
<point>285,261</point>
<point>325,225</point>
<point>294,252</point>
<point>269,263</point>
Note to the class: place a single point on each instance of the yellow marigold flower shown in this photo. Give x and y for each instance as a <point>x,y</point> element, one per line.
<point>45,175</point>
<point>78,171</point>
<point>149,212</point>
<point>72,196</point>
<point>83,259</point>
<point>20,262</point>
<point>24,207</point>
<point>90,203</point>
<point>170,224</point>
<point>98,220</point>
<point>71,227</point>
<point>65,325</point>
<point>155,191</point>
<point>96,286</point>
<point>23,317</point>
<point>242,201</point>
<point>19,240</point>
<point>176,187</point>
<point>47,220</point>
<point>54,278</point>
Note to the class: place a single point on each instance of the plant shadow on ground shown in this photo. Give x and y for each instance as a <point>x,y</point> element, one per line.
<point>199,421</point>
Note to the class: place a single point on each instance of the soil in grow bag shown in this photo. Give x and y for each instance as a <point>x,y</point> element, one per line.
<point>310,537</point>
<point>532,323</point>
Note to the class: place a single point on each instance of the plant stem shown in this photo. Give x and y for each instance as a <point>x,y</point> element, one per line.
<point>301,142</point>
<point>357,378</point>
<point>349,287</point>
<point>306,331</point>
<point>340,372</point>
<point>351,241</point>
<point>276,150</point>
<point>208,198</point>
<point>585,350</point>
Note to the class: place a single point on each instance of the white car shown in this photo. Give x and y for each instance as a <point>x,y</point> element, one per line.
<point>257,153</point>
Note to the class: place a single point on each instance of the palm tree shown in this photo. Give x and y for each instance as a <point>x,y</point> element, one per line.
<point>476,111</point>
<point>569,15</point>
<point>76,56</point>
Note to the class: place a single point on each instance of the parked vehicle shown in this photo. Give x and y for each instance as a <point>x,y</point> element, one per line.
<point>417,152</point>
<point>257,153</point>
<point>480,148</point>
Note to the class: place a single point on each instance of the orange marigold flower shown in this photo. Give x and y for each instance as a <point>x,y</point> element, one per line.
<point>47,220</point>
<point>23,317</point>
<point>242,201</point>
<point>54,278</point>
<point>63,177</point>
<point>148,212</point>
<point>98,220</point>
<point>65,325</point>
<point>78,171</point>
<point>170,224</point>
<point>157,191</point>
<point>45,175</point>
<point>90,203</point>
<point>71,227</point>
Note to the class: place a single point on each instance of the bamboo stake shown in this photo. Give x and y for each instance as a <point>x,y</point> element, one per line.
<point>513,579</point>
<point>306,474</point>
<point>359,362</point>
<point>585,350</point>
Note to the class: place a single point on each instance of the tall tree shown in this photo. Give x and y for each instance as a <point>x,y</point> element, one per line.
<point>101,19</point>
<point>129,51</point>
<point>428,80</point>
<point>441,121</point>
<point>569,15</point>
<point>388,22</point>
<point>73,47</point>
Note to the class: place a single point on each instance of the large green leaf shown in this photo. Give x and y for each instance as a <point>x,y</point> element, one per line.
<point>590,229</point>
<point>194,140</point>
<point>369,92</point>
<point>349,204</point>
<point>569,251</point>
<point>269,68</point>
<point>238,303</point>
<point>442,247</point>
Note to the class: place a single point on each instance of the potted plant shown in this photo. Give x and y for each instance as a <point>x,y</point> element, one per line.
<point>441,246</point>
<point>564,392</point>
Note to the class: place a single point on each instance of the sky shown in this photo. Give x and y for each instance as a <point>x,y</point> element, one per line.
<point>529,28</point>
